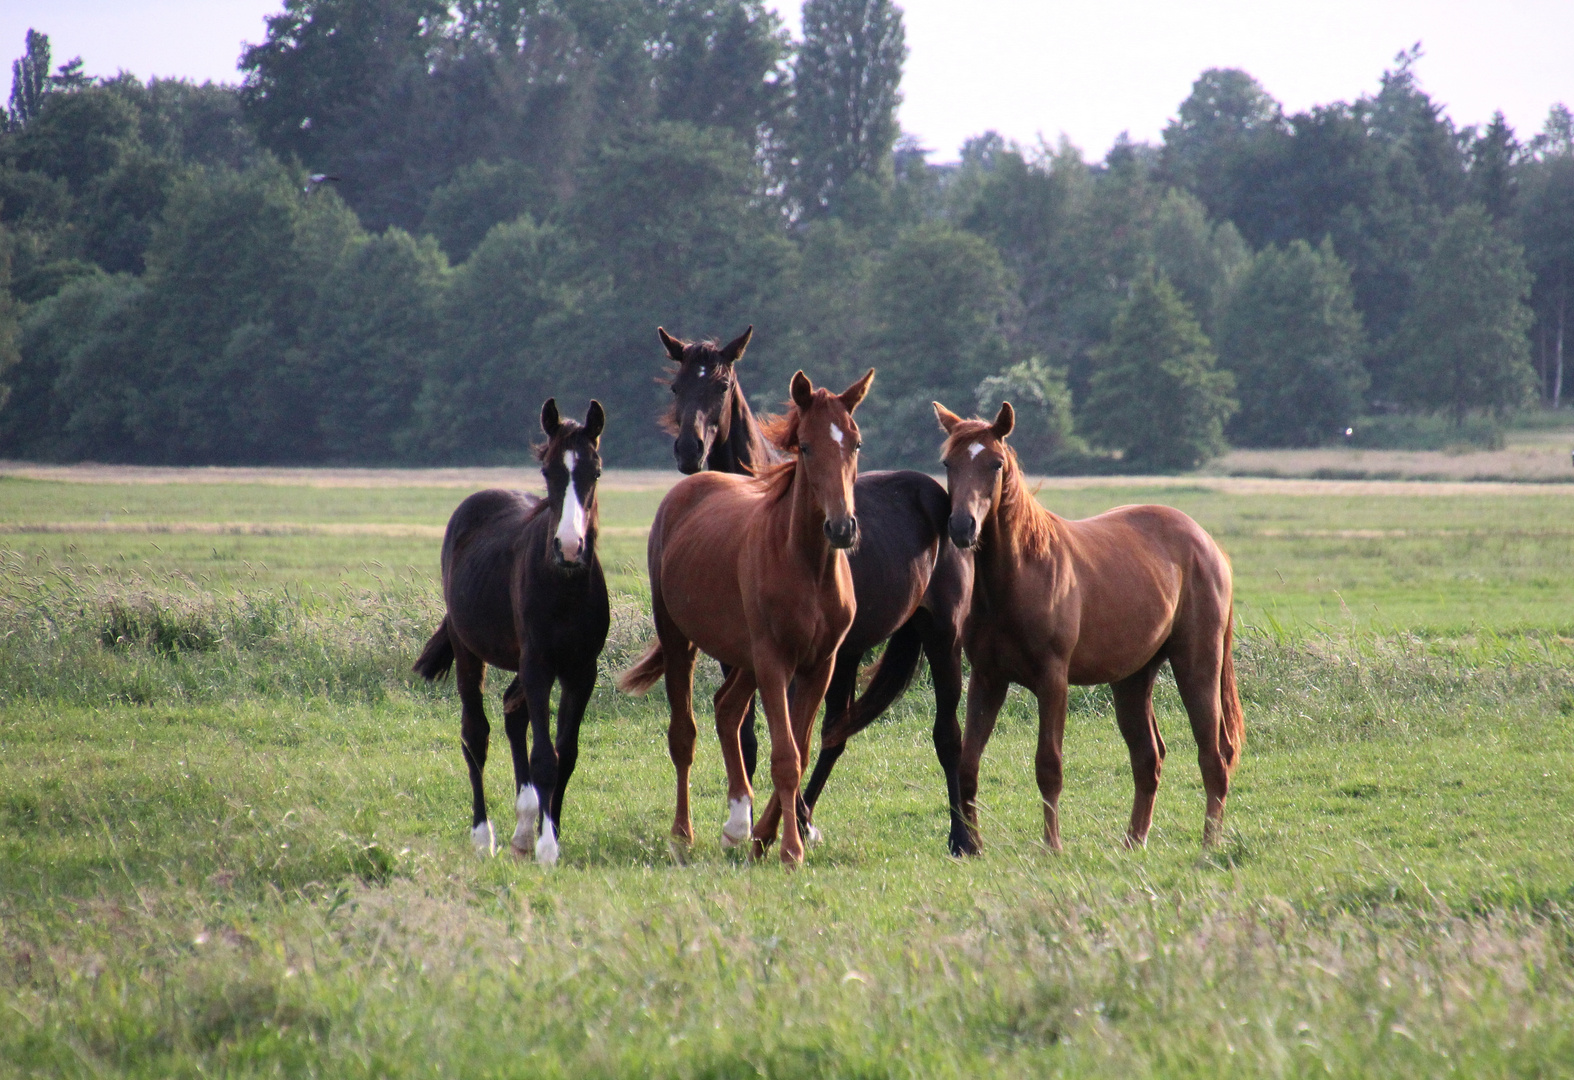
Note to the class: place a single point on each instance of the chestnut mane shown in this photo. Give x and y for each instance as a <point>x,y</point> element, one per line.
<point>1020,513</point>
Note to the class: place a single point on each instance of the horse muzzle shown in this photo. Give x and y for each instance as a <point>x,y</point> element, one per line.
<point>964,530</point>
<point>843,532</point>
<point>573,556</point>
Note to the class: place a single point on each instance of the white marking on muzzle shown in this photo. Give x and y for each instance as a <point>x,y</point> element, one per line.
<point>485,843</point>
<point>739,822</point>
<point>526,810</point>
<point>974,450</point>
<point>836,434</point>
<point>571,526</point>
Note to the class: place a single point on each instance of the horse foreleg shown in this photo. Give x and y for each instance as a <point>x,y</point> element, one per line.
<point>732,701</point>
<point>985,694</point>
<point>474,734</point>
<point>1139,727</point>
<point>577,688</point>
<point>535,776</point>
<point>1048,766</point>
<point>786,765</point>
<point>944,651</point>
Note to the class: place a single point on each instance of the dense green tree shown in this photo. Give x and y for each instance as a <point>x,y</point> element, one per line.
<point>1226,114</point>
<point>1493,157</point>
<point>1043,437</point>
<point>1546,224</point>
<point>846,88</point>
<point>1463,342</point>
<point>9,354</point>
<point>1290,334</point>
<point>943,303</point>
<point>481,195</point>
<point>377,326</point>
<point>722,63</point>
<point>1200,257</point>
<point>1157,395</point>
<point>506,313</point>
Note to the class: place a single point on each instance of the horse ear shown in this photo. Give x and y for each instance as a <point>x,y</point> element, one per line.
<point>732,352</point>
<point>674,346</point>
<point>802,391</point>
<point>1005,420</point>
<point>947,418</point>
<point>854,394</point>
<point>550,421</point>
<point>595,420</point>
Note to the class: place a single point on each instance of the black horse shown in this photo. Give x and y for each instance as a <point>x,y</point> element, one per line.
<point>525,593</point>
<point>912,584</point>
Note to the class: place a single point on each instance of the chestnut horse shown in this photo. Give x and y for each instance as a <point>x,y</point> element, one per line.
<point>753,570</point>
<point>1105,600</point>
<point>911,584</point>
<point>525,593</point>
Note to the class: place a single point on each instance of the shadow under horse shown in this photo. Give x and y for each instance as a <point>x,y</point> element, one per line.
<point>912,586</point>
<point>525,593</point>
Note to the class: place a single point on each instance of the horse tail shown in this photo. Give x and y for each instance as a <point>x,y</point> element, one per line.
<point>643,675</point>
<point>1232,721</point>
<point>888,682</point>
<point>438,656</point>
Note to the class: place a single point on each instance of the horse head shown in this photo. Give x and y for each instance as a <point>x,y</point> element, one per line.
<point>571,464</point>
<point>820,427</point>
<point>702,389</point>
<point>975,456</point>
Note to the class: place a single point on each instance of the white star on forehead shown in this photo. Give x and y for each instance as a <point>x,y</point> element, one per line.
<point>974,450</point>
<point>836,433</point>
<point>702,371</point>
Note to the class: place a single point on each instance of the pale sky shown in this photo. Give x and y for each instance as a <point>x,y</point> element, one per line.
<point>1022,67</point>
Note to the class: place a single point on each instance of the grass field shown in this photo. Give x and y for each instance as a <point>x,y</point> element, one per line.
<point>233,828</point>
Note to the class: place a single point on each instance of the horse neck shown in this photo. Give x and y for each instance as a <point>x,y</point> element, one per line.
<point>1017,530</point>
<point>745,450</point>
<point>801,520</point>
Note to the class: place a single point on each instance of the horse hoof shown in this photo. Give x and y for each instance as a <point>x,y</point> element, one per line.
<point>483,840</point>
<point>739,823</point>
<point>678,850</point>
<point>546,847</point>
<point>526,810</point>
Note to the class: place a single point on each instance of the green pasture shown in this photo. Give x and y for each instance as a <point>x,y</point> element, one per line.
<point>233,828</point>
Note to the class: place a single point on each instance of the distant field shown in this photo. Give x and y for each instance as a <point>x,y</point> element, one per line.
<point>232,839</point>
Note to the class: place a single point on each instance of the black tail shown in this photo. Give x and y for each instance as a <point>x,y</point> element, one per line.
<point>438,656</point>
<point>890,680</point>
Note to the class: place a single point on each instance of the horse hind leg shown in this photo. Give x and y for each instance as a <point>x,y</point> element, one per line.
<point>681,728</point>
<point>474,734</point>
<point>944,651</point>
<point>1197,673</point>
<point>1139,727</point>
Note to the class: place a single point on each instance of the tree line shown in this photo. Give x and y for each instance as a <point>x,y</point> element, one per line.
<point>413,221</point>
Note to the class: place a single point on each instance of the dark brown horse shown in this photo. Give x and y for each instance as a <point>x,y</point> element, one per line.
<point>1105,600</point>
<point>525,593</point>
<point>911,584</point>
<point>753,570</point>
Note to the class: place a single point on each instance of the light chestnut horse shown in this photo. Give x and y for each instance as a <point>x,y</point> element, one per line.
<point>1105,600</point>
<point>753,570</point>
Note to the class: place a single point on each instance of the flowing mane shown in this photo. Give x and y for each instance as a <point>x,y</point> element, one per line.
<point>1019,512</point>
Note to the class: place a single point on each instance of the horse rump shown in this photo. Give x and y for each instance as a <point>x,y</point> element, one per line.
<point>438,656</point>
<point>643,675</point>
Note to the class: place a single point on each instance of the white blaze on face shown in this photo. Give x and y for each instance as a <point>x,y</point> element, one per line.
<point>974,450</point>
<point>571,526</point>
<point>526,809</point>
<point>739,821</point>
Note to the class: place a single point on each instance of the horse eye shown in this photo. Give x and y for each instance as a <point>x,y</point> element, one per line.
<point>859,445</point>
<point>998,465</point>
